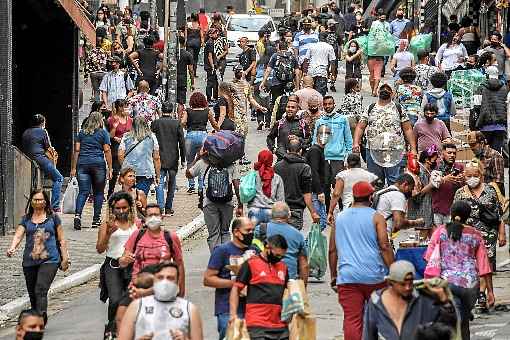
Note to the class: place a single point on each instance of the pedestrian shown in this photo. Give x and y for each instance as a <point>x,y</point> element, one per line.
<point>409,95</point>
<point>145,105</point>
<point>147,65</point>
<point>462,261</point>
<point>218,205</point>
<point>181,318</point>
<point>170,138</point>
<point>220,44</point>
<point>398,25</point>
<point>263,306</point>
<point>184,70</point>
<point>353,58</point>
<point>442,98</point>
<point>345,180</point>
<point>118,124</point>
<point>395,312</point>
<point>225,107</point>
<point>95,68</point>
<point>311,115</point>
<point>219,273</point>
<point>332,38</point>
<point>211,65</point>
<point>37,146</point>
<point>359,257</point>
<point>430,131</point>
<point>384,118</point>
<point>376,64</point>
<point>321,173</point>
<point>401,59</point>
<point>116,84</point>
<point>485,217</point>
<point>492,161</point>
<point>352,103</point>
<point>45,249</point>
<point>269,189</point>
<point>451,54</point>
<point>319,58</point>
<point>392,204</point>
<point>30,325</point>
<point>195,41</point>
<point>469,35</point>
<point>203,19</point>
<point>297,182</point>
<point>303,40</point>
<point>194,119</point>
<point>500,50</point>
<point>424,71</point>
<point>91,149</point>
<point>451,179</point>
<point>139,149</point>
<point>247,59</point>
<point>112,237</point>
<point>490,102</point>
<point>307,92</point>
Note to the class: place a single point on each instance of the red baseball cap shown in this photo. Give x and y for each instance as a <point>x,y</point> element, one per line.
<point>362,189</point>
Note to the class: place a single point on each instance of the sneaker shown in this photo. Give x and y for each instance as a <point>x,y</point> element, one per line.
<point>77,222</point>
<point>261,125</point>
<point>481,304</point>
<point>191,191</point>
<point>332,88</point>
<point>96,224</point>
<point>169,212</point>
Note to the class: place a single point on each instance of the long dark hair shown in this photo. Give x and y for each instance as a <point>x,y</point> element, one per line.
<point>29,210</point>
<point>122,195</point>
<point>460,212</point>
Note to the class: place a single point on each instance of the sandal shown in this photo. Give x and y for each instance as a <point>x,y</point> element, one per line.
<point>481,303</point>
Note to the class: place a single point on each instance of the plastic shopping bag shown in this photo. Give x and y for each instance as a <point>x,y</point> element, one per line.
<point>295,300</point>
<point>317,252</point>
<point>237,330</point>
<point>69,202</point>
<point>420,43</point>
<point>303,328</point>
<point>433,268</point>
<point>248,187</point>
<point>380,42</point>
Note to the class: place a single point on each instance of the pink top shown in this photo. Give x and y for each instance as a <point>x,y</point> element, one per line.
<point>463,261</point>
<point>121,128</point>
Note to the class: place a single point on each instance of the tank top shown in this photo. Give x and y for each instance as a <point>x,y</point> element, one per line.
<point>148,59</point>
<point>359,255</point>
<point>197,119</point>
<point>194,38</point>
<point>160,317</point>
<point>117,241</point>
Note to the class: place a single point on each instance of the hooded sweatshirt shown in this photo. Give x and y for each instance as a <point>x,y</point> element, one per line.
<point>297,179</point>
<point>340,141</point>
<point>493,109</point>
<point>444,101</point>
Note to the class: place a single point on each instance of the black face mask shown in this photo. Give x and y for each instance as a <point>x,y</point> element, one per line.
<point>247,239</point>
<point>313,109</point>
<point>273,259</point>
<point>384,95</point>
<point>33,336</point>
<point>429,119</point>
<point>121,216</point>
<point>495,44</point>
<point>400,16</point>
<point>433,166</point>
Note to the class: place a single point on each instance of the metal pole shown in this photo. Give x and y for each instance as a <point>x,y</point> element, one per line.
<point>153,8</point>
<point>288,6</point>
<point>165,51</point>
<point>439,15</point>
<point>172,53</point>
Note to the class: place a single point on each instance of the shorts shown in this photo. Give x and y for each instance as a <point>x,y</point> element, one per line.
<point>125,300</point>
<point>181,95</point>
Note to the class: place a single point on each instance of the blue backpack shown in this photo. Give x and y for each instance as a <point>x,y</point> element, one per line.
<point>443,104</point>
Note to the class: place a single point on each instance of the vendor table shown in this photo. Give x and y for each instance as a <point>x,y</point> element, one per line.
<point>415,256</point>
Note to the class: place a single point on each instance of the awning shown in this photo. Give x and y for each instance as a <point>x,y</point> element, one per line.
<point>77,13</point>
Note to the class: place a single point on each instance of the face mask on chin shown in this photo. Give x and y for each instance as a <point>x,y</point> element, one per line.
<point>429,119</point>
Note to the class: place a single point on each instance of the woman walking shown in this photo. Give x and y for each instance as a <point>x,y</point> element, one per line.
<point>88,166</point>
<point>451,55</point>
<point>111,239</point>
<point>224,110</point>
<point>139,149</point>
<point>127,180</point>
<point>469,35</point>
<point>118,124</point>
<point>45,248</point>
<point>194,40</point>
<point>461,259</point>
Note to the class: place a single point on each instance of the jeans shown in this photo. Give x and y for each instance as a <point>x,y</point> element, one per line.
<point>259,215</point>
<point>223,319</point>
<point>95,81</point>
<point>390,175</point>
<point>222,65</point>
<point>91,175</point>
<point>211,89</point>
<point>193,142</point>
<point>115,175</point>
<point>321,85</point>
<point>321,210</point>
<point>166,175</point>
<point>143,183</point>
<point>38,280</point>
<point>217,217</point>
<point>495,139</point>
<point>464,299</point>
<point>49,169</point>
<point>117,285</point>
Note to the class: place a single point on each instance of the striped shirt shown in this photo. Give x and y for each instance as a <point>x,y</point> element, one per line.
<point>302,42</point>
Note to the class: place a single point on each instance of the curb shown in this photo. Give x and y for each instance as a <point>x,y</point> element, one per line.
<point>13,308</point>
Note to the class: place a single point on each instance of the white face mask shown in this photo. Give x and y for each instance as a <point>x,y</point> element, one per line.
<point>324,138</point>
<point>473,182</point>
<point>165,290</point>
<point>352,49</point>
<point>153,222</point>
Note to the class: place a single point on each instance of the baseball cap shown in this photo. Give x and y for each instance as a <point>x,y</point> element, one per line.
<point>399,270</point>
<point>362,189</point>
<point>332,22</point>
<point>492,72</point>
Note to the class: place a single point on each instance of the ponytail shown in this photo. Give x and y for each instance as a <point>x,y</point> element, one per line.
<point>460,212</point>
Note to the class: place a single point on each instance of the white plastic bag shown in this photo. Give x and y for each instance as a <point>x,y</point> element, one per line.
<point>69,202</point>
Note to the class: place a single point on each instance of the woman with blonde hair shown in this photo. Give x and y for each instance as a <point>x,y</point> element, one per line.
<point>226,106</point>
<point>91,148</point>
<point>485,216</point>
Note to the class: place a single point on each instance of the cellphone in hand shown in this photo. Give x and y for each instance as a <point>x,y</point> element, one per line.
<point>456,171</point>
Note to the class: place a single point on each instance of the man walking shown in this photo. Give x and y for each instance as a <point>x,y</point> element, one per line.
<point>398,25</point>
<point>302,42</point>
<point>184,69</point>
<point>116,84</point>
<point>147,65</point>
<point>492,160</point>
<point>247,59</point>
<point>307,92</point>
<point>211,65</point>
<point>170,138</point>
<point>144,104</point>
<point>359,257</point>
<point>320,58</point>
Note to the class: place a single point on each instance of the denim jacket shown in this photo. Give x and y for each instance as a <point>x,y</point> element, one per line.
<point>140,158</point>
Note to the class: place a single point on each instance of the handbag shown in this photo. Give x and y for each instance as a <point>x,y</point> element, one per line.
<point>50,152</point>
<point>488,216</point>
<point>433,268</point>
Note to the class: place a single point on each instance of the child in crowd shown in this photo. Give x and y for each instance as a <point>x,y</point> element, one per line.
<point>409,95</point>
<point>442,98</point>
<point>351,105</point>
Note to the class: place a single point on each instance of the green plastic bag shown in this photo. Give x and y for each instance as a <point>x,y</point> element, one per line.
<point>380,42</point>
<point>248,187</point>
<point>419,43</point>
<point>317,252</point>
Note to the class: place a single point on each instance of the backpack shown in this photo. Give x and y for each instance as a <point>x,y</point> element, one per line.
<point>377,197</point>
<point>284,70</point>
<point>443,104</point>
<point>261,237</point>
<point>219,187</point>
<point>166,234</point>
<point>282,106</point>
<point>224,148</point>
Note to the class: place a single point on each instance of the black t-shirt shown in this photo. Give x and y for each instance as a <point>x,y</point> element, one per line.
<point>209,48</point>
<point>185,59</point>
<point>247,57</point>
<point>228,124</point>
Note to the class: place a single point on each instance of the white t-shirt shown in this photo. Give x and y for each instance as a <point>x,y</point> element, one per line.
<point>351,177</point>
<point>391,201</point>
<point>403,60</point>
<point>320,55</point>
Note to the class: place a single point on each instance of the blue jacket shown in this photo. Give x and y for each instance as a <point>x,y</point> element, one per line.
<point>340,141</point>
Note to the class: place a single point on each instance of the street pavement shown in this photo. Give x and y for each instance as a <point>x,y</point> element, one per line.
<point>79,315</point>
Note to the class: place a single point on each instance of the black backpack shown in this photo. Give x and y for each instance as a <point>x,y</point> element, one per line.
<point>377,196</point>
<point>219,187</point>
<point>284,69</point>
<point>166,233</point>
<point>282,106</point>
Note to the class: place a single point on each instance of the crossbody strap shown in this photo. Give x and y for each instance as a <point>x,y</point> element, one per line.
<point>133,147</point>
